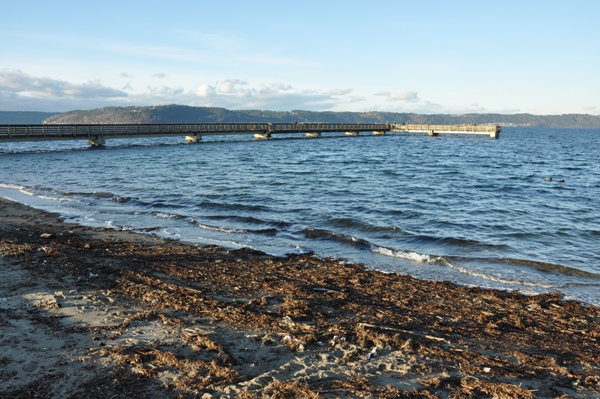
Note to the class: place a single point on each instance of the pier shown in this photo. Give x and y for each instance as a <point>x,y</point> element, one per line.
<point>97,134</point>
<point>434,130</point>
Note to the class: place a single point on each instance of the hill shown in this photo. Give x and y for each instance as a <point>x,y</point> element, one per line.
<point>187,114</point>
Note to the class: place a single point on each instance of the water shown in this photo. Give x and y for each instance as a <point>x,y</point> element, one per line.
<point>471,210</point>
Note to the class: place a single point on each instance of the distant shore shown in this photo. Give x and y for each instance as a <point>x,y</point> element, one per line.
<point>98,313</point>
<point>187,114</point>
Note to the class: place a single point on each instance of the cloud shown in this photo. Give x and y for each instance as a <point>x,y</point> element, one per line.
<point>206,91</point>
<point>126,75</point>
<point>355,99</point>
<point>159,75</point>
<point>22,92</point>
<point>22,84</point>
<point>238,94</point>
<point>408,96</point>
<point>280,86</point>
<point>229,86</point>
<point>338,92</point>
<point>165,90</point>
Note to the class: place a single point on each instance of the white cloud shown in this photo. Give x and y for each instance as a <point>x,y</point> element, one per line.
<point>238,94</point>
<point>338,92</point>
<point>20,91</point>
<point>165,90</point>
<point>355,99</point>
<point>408,96</point>
<point>159,75</point>
<point>280,86</point>
<point>22,84</point>
<point>229,86</point>
<point>206,91</point>
<point>126,75</point>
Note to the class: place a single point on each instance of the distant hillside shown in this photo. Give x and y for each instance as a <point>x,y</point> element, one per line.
<point>181,113</point>
<point>23,117</point>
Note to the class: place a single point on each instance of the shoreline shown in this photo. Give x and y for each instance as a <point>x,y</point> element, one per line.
<point>91,312</point>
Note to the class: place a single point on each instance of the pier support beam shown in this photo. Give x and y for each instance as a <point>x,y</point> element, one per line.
<point>379,133</point>
<point>495,135</point>
<point>193,139</point>
<point>353,134</point>
<point>312,135</point>
<point>97,141</point>
<point>262,136</point>
<point>432,133</point>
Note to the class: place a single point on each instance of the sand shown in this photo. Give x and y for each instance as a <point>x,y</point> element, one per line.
<point>98,313</point>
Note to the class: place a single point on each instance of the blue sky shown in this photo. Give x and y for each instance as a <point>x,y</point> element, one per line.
<point>540,57</point>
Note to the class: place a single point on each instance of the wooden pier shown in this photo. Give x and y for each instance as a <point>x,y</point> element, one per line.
<point>97,134</point>
<point>434,130</point>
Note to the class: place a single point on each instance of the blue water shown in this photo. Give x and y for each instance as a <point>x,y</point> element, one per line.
<point>472,210</point>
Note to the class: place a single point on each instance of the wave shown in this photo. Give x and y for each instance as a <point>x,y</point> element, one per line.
<point>250,220</point>
<point>408,255</point>
<point>497,279</point>
<point>42,193</point>
<point>163,215</point>
<point>124,227</point>
<point>347,223</point>
<point>321,234</point>
<point>537,265</point>
<point>236,206</point>
<point>452,242</point>
<point>269,232</point>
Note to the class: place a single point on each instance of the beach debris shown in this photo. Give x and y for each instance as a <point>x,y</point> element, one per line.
<point>371,354</point>
<point>254,337</point>
<point>47,235</point>
<point>92,275</point>
<point>418,323</point>
<point>287,322</point>
<point>439,339</point>
<point>293,343</point>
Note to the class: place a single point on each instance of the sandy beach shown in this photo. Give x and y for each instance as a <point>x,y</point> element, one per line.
<point>97,313</point>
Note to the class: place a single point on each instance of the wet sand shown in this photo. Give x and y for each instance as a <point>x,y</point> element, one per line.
<point>98,313</point>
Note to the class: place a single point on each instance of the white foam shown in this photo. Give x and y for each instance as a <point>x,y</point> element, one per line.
<point>496,279</point>
<point>22,189</point>
<point>411,256</point>
<point>163,215</point>
<point>219,229</point>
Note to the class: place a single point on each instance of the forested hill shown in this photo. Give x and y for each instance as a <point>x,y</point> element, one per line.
<point>187,114</point>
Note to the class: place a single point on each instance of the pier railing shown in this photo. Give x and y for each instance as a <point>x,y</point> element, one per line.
<point>434,130</point>
<point>85,131</point>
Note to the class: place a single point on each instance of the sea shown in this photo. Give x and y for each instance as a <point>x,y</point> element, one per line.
<point>520,213</point>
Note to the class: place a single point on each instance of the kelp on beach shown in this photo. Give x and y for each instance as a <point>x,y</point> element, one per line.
<point>357,332</point>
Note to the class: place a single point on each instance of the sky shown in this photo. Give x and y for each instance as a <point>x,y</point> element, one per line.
<point>428,57</point>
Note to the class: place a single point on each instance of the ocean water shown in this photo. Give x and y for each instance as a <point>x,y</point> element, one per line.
<point>471,210</point>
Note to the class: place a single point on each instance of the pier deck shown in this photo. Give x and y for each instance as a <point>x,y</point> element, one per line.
<point>434,130</point>
<point>97,134</point>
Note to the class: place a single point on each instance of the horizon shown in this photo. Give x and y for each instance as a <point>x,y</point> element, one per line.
<point>295,110</point>
<point>427,58</point>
